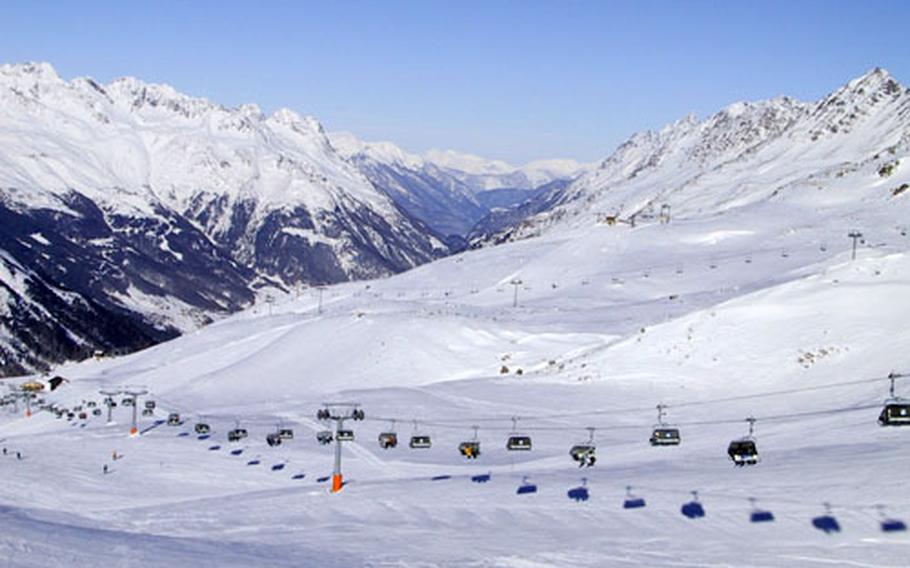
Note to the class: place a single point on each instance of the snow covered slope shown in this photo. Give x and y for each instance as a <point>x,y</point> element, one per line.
<point>754,311</point>
<point>846,147</point>
<point>168,210</point>
<point>451,191</point>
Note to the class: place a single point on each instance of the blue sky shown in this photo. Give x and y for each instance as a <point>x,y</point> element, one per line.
<point>504,79</point>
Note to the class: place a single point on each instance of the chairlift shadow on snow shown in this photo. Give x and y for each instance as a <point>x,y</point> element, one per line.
<point>323,479</point>
<point>440,477</point>
<point>298,476</point>
<point>759,515</point>
<point>278,467</point>
<point>526,487</point>
<point>826,523</point>
<point>580,493</point>
<point>254,462</point>
<point>183,434</point>
<point>481,478</point>
<point>237,452</point>
<point>693,509</point>
<point>631,501</point>
<point>214,448</point>
<point>893,525</point>
<point>203,437</point>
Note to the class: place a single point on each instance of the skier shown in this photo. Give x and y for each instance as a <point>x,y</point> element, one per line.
<point>18,456</point>
<point>105,469</point>
<point>4,451</point>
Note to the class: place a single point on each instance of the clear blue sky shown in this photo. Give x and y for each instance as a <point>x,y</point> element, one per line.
<point>515,80</point>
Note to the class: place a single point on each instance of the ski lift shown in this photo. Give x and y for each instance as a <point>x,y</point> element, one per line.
<point>325,437</point>
<point>759,515</point>
<point>173,419</point>
<point>389,439</point>
<point>664,435</point>
<point>273,439</point>
<point>150,405</point>
<point>148,412</point>
<point>91,404</point>
<point>744,451</point>
<point>419,441</point>
<point>237,434</point>
<point>516,441</point>
<point>285,433</point>
<point>586,452</point>
<point>896,411</point>
<point>127,401</point>
<point>83,416</point>
<point>345,436</point>
<point>471,448</point>
<point>202,428</point>
<point>95,412</point>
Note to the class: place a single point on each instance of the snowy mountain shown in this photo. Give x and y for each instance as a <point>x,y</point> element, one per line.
<point>131,201</point>
<point>451,191</point>
<point>746,305</point>
<point>781,150</point>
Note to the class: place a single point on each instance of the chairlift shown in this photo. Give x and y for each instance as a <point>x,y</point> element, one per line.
<point>237,434</point>
<point>83,416</point>
<point>585,453</point>
<point>286,433</point>
<point>91,404</point>
<point>744,451</point>
<point>148,412</point>
<point>419,441</point>
<point>664,435</point>
<point>325,437</point>
<point>127,401</point>
<point>95,412</point>
<point>150,405</point>
<point>173,419</point>
<point>470,449</point>
<point>345,436</point>
<point>516,441</point>
<point>389,439</point>
<point>896,411</point>
<point>273,439</point>
<point>202,428</point>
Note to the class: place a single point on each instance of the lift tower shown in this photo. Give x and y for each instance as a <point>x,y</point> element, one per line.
<point>339,412</point>
<point>135,393</point>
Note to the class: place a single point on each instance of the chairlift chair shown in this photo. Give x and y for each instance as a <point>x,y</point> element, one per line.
<point>665,437</point>
<point>325,437</point>
<point>662,434</point>
<point>202,428</point>
<point>388,439</point>
<point>286,433</point>
<point>470,449</point>
<point>744,451</point>
<point>345,435</point>
<point>896,411</point>
<point>273,439</point>
<point>127,401</point>
<point>173,419</point>
<point>516,441</point>
<point>895,414</point>
<point>585,453</point>
<point>237,434</point>
<point>95,412</point>
<point>419,441</point>
<point>148,412</point>
<point>150,405</point>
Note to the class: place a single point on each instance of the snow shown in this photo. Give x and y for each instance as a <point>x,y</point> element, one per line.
<point>428,345</point>
<point>741,306</point>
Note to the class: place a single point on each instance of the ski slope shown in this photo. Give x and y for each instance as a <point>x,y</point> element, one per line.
<point>759,311</point>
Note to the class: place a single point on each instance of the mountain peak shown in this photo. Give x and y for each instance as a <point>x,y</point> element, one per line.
<point>37,70</point>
